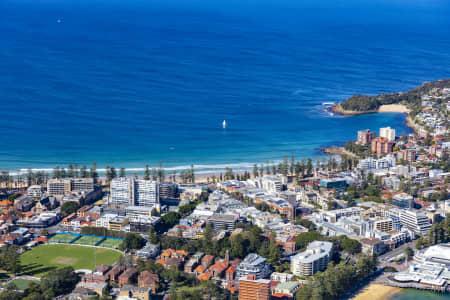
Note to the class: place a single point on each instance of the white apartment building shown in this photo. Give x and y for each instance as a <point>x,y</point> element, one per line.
<point>398,237</point>
<point>122,191</point>
<point>146,192</point>
<point>254,182</point>
<point>313,260</point>
<point>271,184</point>
<point>416,221</point>
<point>404,171</point>
<point>386,162</point>
<point>388,133</point>
<point>355,224</point>
<point>253,264</point>
<point>383,163</point>
<point>134,192</point>
<point>334,215</point>
<point>34,191</point>
<point>392,182</point>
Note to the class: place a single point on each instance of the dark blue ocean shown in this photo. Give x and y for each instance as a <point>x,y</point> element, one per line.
<point>131,82</point>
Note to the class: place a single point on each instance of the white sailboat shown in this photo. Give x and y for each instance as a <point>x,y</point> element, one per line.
<point>224,124</point>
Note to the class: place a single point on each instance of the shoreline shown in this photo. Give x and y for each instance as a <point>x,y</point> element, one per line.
<point>334,150</point>
<point>387,108</point>
<point>376,291</point>
<point>411,124</point>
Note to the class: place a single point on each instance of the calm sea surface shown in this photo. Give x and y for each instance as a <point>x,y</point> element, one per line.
<point>141,81</point>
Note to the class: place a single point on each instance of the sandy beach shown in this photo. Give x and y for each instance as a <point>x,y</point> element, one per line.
<point>376,291</point>
<point>394,108</point>
<point>397,108</point>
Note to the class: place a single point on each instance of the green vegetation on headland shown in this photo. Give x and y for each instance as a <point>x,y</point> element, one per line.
<point>367,104</point>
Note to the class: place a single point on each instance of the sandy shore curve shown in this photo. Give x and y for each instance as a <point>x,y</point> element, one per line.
<point>397,108</point>
<point>376,291</point>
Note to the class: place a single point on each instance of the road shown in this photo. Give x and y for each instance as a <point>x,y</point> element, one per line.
<point>384,259</point>
<point>397,251</point>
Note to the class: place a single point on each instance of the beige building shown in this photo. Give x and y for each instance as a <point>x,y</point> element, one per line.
<point>63,186</point>
<point>383,224</point>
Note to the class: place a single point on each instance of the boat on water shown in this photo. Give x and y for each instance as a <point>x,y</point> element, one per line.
<point>328,103</point>
<point>224,124</point>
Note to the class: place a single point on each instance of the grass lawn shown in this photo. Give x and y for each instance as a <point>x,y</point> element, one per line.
<point>22,284</point>
<point>87,240</point>
<point>45,258</point>
<point>64,238</point>
<point>111,243</point>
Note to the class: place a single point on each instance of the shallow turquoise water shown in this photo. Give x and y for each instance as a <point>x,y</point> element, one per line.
<point>410,294</point>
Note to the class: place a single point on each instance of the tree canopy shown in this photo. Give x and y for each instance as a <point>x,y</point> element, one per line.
<point>10,259</point>
<point>132,241</point>
<point>336,280</point>
<point>69,207</point>
<point>303,239</point>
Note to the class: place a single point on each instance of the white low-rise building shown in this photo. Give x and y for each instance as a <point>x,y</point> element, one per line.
<point>430,267</point>
<point>271,184</point>
<point>437,254</point>
<point>334,215</point>
<point>281,277</point>
<point>103,221</point>
<point>377,164</point>
<point>35,191</point>
<point>434,173</point>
